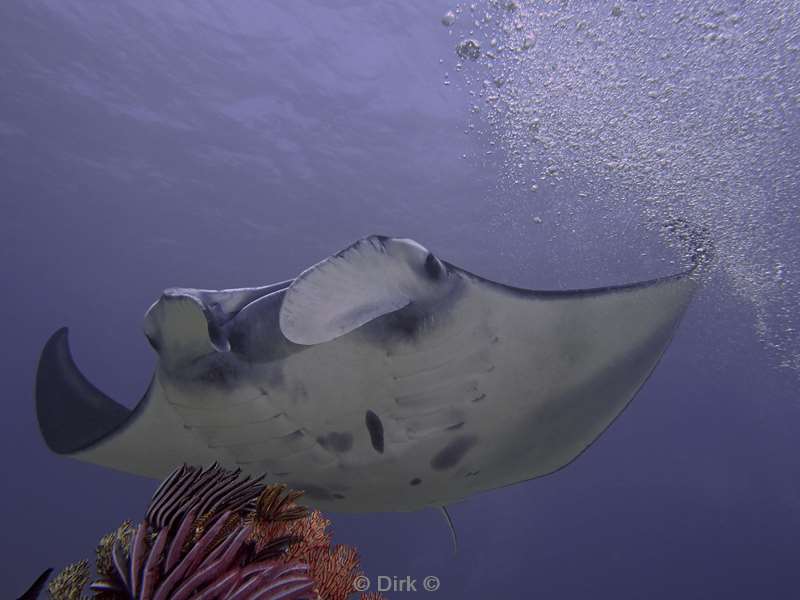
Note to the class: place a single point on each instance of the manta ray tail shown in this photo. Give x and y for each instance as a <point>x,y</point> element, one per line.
<point>452,528</point>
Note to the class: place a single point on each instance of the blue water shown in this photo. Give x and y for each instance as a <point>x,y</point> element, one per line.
<point>149,144</point>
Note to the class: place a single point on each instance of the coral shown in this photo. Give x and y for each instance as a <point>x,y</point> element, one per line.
<point>334,570</point>
<point>70,582</point>
<point>104,563</point>
<point>195,542</point>
<point>205,493</point>
<point>277,505</point>
<point>212,534</point>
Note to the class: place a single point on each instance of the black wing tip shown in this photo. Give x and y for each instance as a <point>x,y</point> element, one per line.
<point>59,336</point>
<point>71,412</point>
<point>55,349</point>
<point>33,592</point>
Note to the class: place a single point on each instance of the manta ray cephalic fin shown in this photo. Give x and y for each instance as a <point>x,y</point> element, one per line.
<point>372,277</point>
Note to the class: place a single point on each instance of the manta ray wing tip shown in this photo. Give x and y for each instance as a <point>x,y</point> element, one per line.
<point>72,413</point>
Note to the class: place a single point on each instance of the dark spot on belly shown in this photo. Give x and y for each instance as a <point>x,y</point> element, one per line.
<point>338,441</point>
<point>449,456</point>
<point>415,481</point>
<point>375,428</point>
<point>338,496</point>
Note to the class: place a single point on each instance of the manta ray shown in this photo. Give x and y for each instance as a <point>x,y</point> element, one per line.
<point>379,379</point>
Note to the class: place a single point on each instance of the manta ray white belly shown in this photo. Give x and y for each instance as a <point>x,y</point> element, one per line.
<point>379,379</point>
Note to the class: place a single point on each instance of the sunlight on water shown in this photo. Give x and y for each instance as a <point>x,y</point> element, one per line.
<point>673,111</point>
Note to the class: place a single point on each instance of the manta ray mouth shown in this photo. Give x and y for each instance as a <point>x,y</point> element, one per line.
<point>187,322</point>
<point>221,312</point>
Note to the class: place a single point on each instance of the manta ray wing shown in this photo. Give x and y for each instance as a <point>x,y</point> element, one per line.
<point>472,385</point>
<point>381,378</point>
<point>77,419</point>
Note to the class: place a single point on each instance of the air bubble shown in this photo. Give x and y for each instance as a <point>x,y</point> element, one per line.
<point>655,116</point>
<point>469,48</point>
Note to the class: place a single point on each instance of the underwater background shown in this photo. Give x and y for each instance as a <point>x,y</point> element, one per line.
<point>148,144</point>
